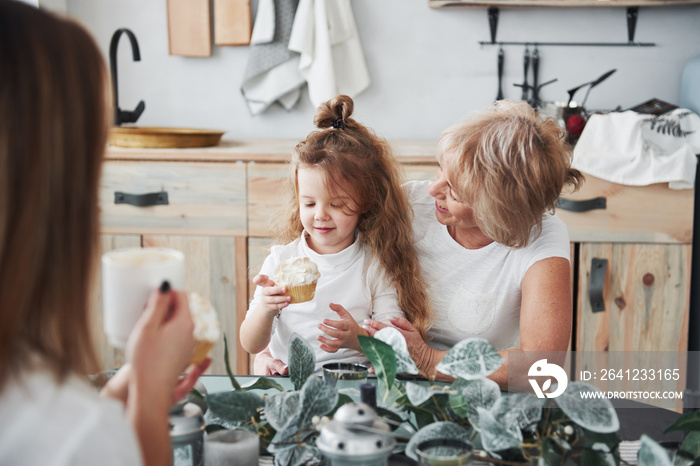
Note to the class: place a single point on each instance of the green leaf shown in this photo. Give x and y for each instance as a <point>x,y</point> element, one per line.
<point>419,394</point>
<point>598,454</point>
<point>394,338</point>
<point>470,359</point>
<point>317,399</point>
<point>436,430</point>
<point>234,382</point>
<point>612,441</point>
<point>299,455</point>
<point>595,414</point>
<point>263,383</point>
<point>651,453</point>
<point>302,360</point>
<point>459,406</point>
<point>551,453</point>
<point>383,358</point>
<point>234,405</point>
<point>688,421</point>
<point>295,434</point>
<point>521,409</point>
<point>496,436</point>
<point>282,408</point>
<point>480,393</point>
<point>424,417</point>
<point>691,444</point>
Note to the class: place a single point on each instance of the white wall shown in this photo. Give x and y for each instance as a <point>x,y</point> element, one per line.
<point>427,67</point>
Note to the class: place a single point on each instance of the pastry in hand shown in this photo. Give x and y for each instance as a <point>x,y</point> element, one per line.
<point>299,276</point>
<point>206,326</point>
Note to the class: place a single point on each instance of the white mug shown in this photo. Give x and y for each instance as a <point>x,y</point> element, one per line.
<point>128,278</point>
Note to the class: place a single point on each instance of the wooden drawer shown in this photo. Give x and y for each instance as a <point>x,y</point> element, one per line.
<point>633,214</point>
<point>203,198</point>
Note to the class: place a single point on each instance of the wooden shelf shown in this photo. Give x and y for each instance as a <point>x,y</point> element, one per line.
<point>558,3</point>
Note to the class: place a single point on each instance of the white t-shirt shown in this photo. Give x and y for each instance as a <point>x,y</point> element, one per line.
<point>476,292</point>
<point>45,424</point>
<point>343,281</point>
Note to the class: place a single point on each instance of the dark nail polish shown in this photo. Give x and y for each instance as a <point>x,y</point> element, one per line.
<point>165,287</point>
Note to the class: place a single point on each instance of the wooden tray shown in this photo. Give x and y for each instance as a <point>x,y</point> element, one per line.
<point>162,138</point>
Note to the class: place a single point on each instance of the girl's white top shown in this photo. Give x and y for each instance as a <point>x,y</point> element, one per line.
<point>476,292</point>
<point>364,294</point>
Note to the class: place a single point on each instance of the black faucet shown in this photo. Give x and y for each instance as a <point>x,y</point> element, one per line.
<point>123,116</point>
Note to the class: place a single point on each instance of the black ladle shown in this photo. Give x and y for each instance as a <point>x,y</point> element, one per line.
<point>500,74</point>
<point>591,85</point>
<point>526,66</point>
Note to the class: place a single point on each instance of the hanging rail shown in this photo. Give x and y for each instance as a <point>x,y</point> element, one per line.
<point>632,14</point>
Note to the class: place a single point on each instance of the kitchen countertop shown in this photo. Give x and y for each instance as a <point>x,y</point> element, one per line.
<point>412,151</point>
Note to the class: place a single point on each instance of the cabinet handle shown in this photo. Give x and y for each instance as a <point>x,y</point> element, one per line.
<point>141,200</point>
<point>581,206</point>
<point>595,288</point>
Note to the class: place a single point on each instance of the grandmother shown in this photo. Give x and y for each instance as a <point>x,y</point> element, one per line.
<point>494,254</point>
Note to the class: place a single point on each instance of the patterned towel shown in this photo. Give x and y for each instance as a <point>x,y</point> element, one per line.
<point>640,149</point>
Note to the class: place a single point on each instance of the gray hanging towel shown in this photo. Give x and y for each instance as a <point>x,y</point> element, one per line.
<point>272,72</point>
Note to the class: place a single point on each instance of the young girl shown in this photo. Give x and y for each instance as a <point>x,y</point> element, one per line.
<point>348,214</point>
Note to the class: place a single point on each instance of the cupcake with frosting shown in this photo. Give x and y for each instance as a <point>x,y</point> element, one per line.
<point>299,276</point>
<point>206,326</point>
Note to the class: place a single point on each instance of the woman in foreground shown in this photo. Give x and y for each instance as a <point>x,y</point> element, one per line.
<point>53,129</point>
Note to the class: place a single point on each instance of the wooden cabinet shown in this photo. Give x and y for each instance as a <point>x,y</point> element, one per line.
<point>205,218</point>
<point>640,246</point>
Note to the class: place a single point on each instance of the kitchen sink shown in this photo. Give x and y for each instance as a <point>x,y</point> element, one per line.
<point>162,137</point>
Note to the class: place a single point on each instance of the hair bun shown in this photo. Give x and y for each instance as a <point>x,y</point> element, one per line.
<point>335,113</point>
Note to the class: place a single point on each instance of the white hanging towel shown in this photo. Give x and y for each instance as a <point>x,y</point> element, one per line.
<point>332,61</point>
<point>272,72</point>
<point>640,149</point>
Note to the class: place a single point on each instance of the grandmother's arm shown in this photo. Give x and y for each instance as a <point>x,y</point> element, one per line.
<point>545,322</point>
<point>545,316</point>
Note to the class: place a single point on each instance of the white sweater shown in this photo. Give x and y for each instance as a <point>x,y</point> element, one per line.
<point>343,281</point>
<point>46,424</point>
<point>476,292</point>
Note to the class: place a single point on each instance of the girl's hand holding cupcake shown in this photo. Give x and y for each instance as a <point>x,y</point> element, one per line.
<point>274,298</point>
<point>344,332</point>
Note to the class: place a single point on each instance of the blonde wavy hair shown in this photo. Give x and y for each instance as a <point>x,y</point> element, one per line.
<point>351,154</point>
<point>510,166</point>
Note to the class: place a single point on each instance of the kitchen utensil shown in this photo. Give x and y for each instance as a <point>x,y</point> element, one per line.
<point>595,83</point>
<point>535,100</point>
<point>232,22</point>
<point>227,447</point>
<point>162,138</point>
<point>342,375</point>
<point>356,436</point>
<point>187,434</point>
<point>444,452</point>
<point>189,30</point>
<point>499,96</point>
<point>129,275</point>
<point>526,67</point>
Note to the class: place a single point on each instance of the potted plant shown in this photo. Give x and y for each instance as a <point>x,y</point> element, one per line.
<point>510,429</point>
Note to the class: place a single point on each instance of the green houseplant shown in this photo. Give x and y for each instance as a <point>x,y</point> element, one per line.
<point>511,429</point>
